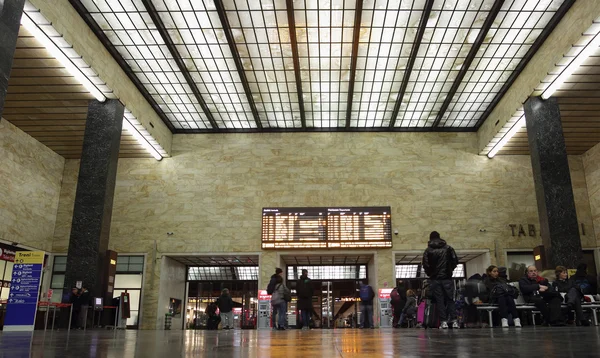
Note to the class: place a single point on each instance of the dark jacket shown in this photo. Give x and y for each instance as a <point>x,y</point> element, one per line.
<point>530,287</point>
<point>304,290</point>
<point>371,294</point>
<point>490,283</point>
<point>85,298</point>
<point>590,284</point>
<point>225,303</point>
<point>563,286</point>
<point>410,308</point>
<point>439,260</point>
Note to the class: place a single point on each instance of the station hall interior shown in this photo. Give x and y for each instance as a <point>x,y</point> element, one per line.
<point>157,152</point>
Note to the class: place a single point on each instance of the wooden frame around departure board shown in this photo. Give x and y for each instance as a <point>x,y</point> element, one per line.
<point>326,228</point>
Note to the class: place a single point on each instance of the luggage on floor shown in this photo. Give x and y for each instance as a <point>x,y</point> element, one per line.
<point>431,318</point>
<point>213,323</point>
<point>421,312</point>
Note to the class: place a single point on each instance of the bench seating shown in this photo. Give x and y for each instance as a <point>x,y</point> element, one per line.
<point>593,306</point>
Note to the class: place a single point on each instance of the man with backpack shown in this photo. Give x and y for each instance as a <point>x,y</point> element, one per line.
<point>439,261</point>
<point>270,290</point>
<point>366,304</point>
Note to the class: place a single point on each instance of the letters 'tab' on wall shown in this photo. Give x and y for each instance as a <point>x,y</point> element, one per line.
<point>532,231</point>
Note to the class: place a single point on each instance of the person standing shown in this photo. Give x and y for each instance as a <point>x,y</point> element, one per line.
<point>270,290</point>
<point>439,261</point>
<point>225,304</point>
<point>75,306</point>
<point>84,301</point>
<point>537,290</point>
<point>366,304</point>
<point>304,289</point>
<point>279,300</point>
<point>573,294</point>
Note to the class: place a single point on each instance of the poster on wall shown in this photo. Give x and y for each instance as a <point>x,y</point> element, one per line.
<point>24,291</point>
<point>175,307</point>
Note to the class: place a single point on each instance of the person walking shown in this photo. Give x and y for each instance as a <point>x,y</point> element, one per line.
<point>279,301</point>
<point>270,290</point>
<point>225,304</point>
<point>439,261</point>
<point>304,289</point>
<point>366,304</point>
<point>84,301</point>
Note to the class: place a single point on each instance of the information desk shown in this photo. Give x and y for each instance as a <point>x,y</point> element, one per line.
<point>334,227</point>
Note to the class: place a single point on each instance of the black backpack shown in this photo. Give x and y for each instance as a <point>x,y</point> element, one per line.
<point>271,286</point>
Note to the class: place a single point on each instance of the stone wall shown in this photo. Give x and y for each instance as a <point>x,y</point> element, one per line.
<point>591,163</point>
<point>30,184</point>
<point>211,192</point>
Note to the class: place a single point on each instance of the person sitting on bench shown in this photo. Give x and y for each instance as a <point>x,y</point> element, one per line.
<point>537,290</point>
<point>573,294</point>
<point>500,292</point>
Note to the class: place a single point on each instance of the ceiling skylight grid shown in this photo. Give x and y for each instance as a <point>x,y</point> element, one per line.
<point>386,38</point>
<point>130,29</point>
<point>197,32</point>
<point>451,31</point>
<point>324,31</point>
<point>261,33</point>
<point>515,30</point>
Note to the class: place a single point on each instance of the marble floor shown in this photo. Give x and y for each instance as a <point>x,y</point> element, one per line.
<point>527,342</point>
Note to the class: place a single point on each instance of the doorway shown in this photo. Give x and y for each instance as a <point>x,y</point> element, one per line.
<point>336,283</point>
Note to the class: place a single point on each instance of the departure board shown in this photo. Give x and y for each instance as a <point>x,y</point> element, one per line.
<point>339,227</point>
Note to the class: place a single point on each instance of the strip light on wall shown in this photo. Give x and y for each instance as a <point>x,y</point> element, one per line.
<point>64,60</point>
<point>583,55</point>
<point>28,20</point>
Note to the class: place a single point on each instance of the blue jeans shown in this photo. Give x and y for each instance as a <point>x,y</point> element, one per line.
<point>367,315</point>
<point>305,314</point>
<point>281,309</point>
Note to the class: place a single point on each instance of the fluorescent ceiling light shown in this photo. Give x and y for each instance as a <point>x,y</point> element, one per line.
<point>572,66</point>
<point>512,131</point>
<point>57,53</point>
<point>141,139</point>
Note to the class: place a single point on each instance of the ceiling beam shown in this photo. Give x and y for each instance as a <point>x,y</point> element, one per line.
<point>296,57</point>
<point>354,58</point>
<point>489,21</point>
<point>411,61</point>
<point>162,30</point>
<point>237,59</point>
<point>562,10</point>
<point>93,25</point>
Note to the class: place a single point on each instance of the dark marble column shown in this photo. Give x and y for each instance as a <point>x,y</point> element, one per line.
<point>94,197</point>
<point>10,20</point>
<point>553,188</point>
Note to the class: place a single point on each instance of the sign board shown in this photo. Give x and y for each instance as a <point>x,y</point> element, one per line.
<point>79,284</point>
<point>50,292</point>
<point>7,253</point>
<point>331,227</point>
<point>385,293</point>
<point>264,296</point>
<point>24,291</point>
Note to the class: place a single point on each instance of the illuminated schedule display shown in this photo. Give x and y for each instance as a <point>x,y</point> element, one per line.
<point>334,227</point>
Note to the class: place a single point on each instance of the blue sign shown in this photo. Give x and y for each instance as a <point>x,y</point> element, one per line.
<point>24,291</point>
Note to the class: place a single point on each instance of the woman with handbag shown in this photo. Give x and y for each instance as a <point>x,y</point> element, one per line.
<point>573,294</point>
<point>503,294</point>
<point>281,296</point>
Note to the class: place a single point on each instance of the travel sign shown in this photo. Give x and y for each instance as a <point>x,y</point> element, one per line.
<point>24,291</point>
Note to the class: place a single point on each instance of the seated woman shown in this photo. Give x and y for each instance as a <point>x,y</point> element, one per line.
<point>573,294</point>
<point>500,292</point>
<point>410,308</point>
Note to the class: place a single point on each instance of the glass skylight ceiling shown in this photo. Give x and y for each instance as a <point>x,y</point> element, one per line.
<point>324,30</point>
<point>517,26</point>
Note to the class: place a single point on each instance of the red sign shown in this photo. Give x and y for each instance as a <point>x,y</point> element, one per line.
<point>7,255</point>
<point>50,292</point>
<point>384,293</point>
<point>263,295</point>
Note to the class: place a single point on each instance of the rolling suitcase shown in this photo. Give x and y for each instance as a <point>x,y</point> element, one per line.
<point>421,313</point>
<point>430,319</point>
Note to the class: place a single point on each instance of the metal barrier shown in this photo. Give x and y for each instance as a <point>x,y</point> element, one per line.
<point>54,306</point>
